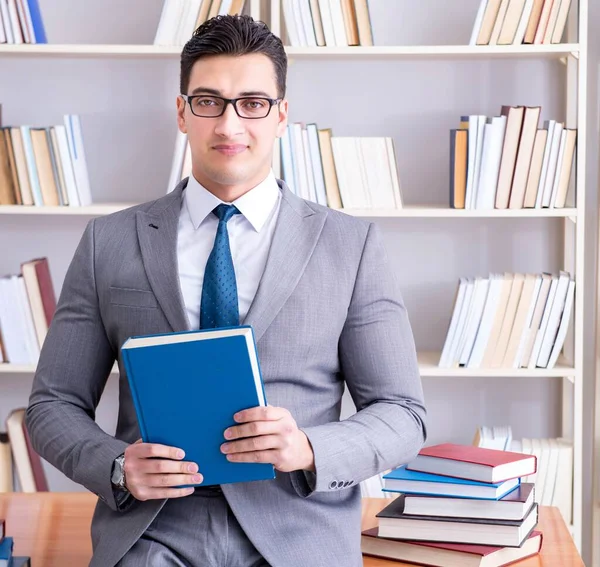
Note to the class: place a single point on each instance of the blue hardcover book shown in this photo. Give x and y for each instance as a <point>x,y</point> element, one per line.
<point>37,22</point>
<point>6,549</point>
<point>187,386</point>
<point>414,482</point>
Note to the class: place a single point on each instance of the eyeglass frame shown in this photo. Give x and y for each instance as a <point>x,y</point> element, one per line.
<point>233,101</point>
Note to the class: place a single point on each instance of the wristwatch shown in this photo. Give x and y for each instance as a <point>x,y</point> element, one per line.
<point>118,472</point>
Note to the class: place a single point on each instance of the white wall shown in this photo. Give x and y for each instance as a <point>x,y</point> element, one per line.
<point>127,107</point>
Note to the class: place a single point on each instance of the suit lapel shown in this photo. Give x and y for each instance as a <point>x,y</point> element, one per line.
<point>296,234</point>
<point>157,235</point>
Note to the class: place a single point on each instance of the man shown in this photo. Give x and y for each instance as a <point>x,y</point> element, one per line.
<point>232,244</point>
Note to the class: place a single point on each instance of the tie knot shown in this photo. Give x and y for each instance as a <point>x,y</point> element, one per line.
<point>225,212</point>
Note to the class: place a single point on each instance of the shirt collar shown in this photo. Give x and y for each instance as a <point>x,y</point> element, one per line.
<point>255,205</point>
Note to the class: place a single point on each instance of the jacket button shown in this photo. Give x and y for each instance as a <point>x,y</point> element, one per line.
<point>333,484</point>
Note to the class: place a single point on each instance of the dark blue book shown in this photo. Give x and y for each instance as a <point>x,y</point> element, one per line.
<point>20,561</point>
<point>187,386</point>
<point>6,548</point>
<point>37,22</point>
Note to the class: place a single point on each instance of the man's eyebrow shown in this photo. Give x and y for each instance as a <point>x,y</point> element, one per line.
<point>216,92</point>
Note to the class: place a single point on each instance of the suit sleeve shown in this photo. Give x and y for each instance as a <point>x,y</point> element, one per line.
<point>379,363</point>
<point>74,365</point>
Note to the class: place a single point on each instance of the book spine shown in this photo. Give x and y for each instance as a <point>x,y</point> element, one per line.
<point>38,23</point>
<point>134,395</point>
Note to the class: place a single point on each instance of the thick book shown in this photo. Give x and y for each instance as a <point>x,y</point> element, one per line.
<point>473,463</point>
<point>512,506</point>
<point>186,388</point>
<point>414,482</point>
<point>6,549</point>
<point>448,554</point>
<point>394,523</point>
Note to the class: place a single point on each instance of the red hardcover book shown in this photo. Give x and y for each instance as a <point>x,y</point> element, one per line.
<point>42,271</point>
<point>473,463</point>
<point>448,554</point>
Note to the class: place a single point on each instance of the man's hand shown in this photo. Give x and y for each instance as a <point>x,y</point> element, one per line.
<point>268,435</point>
<point>151,470</point>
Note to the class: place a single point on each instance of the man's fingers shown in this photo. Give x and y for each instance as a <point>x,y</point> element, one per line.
<point>156,450</point>
<point>256,428</point>
<point>261,443</point>
<point>169,480</point>
<point>261,413</point>
<point>161,493</point>
<point>162,466</point>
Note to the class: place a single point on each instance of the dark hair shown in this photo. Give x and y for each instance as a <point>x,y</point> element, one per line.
<point>233,35</point>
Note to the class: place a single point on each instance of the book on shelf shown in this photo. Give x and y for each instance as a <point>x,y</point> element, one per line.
<point>331,23</point>
<point>180,18</point>
<point>553,478</point>
<point>6,465</point>
<point>505,161</point>
<point>517,22</point>
<point>509,321</point>
<point>195,381</point>
<point>27,305</point>
<point>44,166</point>
<point>21,22</point>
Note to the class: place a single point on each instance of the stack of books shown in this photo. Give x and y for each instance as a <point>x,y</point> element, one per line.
<point>509,321</point>
<point>331,23</point>
<point>506,161</point>
<point>179,18</point>
<point>27,305</point>
<point>458,505</point>
<point>7,559</point>
<point>514,22</point>
<point>44,166</point>
<point>21,22</point>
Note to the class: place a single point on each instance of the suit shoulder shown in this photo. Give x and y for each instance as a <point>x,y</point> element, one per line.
<point>341,222</point>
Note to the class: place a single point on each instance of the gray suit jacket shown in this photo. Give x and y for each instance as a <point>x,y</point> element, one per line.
<point>327,311</point>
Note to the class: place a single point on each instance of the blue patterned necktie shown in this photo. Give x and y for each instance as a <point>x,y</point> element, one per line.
<point>219,304</point>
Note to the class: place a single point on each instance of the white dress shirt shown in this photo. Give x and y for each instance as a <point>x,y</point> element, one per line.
<point>250,235</point>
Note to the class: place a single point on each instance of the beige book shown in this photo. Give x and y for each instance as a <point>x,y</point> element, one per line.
<point>499,21</point>
<point>317,22</point>
<point>6,465</point>
<point>7,189</point>
<point>508,321</point>
<point>505,293</point>
<point>534,20</point>
<point>561,22</point>
<point>363,22</point>
<point>43,162</point>
<point>34,295</point>
<point>520,320</point>
<point>332,189</point>
<point>237,7</point>
<point>12,166</point>
<point>564,175</point>
<point>21,163</point>
<point>18,443</point>
<point>203,12</point>
<point>59,166</point>
<point>512,136</point>
<point>350,22</point>
<point>540,305</point>
<point>524,156</point>
<point>543,23</point>
<point>511,22</point>
<point>535,169</point>
<point>214,9</point>
<point>487,24</point>
<point>552,21</point>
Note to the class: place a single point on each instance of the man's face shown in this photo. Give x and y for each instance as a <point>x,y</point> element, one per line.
<point>230,151</point>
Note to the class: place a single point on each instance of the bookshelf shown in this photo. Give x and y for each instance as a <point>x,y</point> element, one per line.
<point>559,235</point>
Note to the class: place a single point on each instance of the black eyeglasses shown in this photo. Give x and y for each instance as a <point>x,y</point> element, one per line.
<point>249,107</point>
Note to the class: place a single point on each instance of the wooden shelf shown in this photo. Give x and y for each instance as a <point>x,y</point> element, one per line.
<point>407,51</point>
<point>410,211</point>
<point>428,365</point>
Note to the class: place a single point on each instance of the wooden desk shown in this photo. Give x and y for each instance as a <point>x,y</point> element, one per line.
<point>54,529</point>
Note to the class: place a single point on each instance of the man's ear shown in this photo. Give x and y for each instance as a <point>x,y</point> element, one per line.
<point>282,118</point>
<point>181,104</point>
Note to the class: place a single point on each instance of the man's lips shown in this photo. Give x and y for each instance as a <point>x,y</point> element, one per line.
<point>230,149</point>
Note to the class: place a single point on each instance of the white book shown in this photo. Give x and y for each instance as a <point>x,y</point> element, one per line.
<point>307,23</point>
<point>481,121</point>
<point>34,179</point>
<point>312,192</point>
<point>379,180</point>
<point>77,149</point>
<point>524,22</point>
<point>543,449</point>
<point>557,174</point>
<point>347,167</point>
<point>552,21</point>
<point>487,321</point>
<point>224,8</point>
<point>27,20</point>
<point>14,22</point>
<point>478,22</point>
<point>327,19</point>
<point>473,129</point>
<point>550,485</point>
<point>482,286</point>
<point>550,126</point>
<point>12,326</point>
<point>317,165</point>
<point>189,17</point>
<point>287,162</point>
<point>299,23</point>
<point>539,333</point>
<point>27,31</point>
<point>67,165</point>
<point>359,177</point>
<point>181,143</point>
<point>459,336</point>
<point>493,141</point>
<point>552,164</point>
<point>300,161</point>
<point>553,322</point>
<point>10,38</point>
<point>169,20</point>
<point>2,40</point>
<point>564,325</point>
<point>561,21</point>
<point>31,340</point>
<point>460,296</point>
<point>339,27</point>
<point>563,488</point>
<point>290,23</point>
<point>528,319</point>
<point>536,320</point>
<point>295,162</point>
<point>393,164</point>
